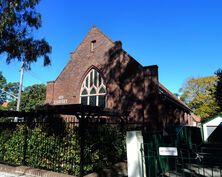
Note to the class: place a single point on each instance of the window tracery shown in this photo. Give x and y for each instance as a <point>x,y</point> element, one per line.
<point>93,90</point>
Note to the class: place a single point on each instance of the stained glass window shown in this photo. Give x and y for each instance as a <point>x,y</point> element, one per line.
<point>93,90</point>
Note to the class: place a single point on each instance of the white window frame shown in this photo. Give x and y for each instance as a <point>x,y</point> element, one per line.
<point>96,86</point>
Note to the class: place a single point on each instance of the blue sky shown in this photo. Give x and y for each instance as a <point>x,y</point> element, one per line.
<point>183,37</point>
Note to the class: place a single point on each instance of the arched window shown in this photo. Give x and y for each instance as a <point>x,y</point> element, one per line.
<point>93,90</point>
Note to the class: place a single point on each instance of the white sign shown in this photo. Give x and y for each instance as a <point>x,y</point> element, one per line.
<point>64,101</point>
<point>168,151</point>
<point>61,100</point>
<point>61,97</point>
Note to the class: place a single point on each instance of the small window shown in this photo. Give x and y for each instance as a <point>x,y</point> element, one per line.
<point>91,79</point>
<point>100,80</point>
<point>87,81</point>
<point>95,77</point>
<point>92,45</point>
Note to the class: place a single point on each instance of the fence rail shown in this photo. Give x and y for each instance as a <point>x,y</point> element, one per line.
<point>48,142</point>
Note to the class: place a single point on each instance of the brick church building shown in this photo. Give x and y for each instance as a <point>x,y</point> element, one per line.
<point>101,73</point>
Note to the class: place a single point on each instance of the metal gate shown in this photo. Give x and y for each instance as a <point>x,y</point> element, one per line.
<point>195,162</point>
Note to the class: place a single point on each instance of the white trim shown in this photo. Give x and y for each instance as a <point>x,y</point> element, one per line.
<point>94,85</point>
<point>212,123</point>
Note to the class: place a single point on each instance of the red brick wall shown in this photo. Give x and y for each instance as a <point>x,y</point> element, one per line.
<point>70,79</point>
<point>131,88</point>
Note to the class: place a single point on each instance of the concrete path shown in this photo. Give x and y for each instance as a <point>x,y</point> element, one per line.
<point>3,174</point>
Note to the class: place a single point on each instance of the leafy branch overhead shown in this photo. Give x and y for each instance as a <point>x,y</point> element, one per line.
<point>18,21</point>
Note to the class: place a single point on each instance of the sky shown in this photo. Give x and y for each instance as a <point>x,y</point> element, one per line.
<point>182,37</point>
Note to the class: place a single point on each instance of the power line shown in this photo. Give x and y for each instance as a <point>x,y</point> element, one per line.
<point>36,76</point>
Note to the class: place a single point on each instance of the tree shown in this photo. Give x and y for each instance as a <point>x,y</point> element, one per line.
<point>18,21</point>
<point>8,93</point>
<point>198,94</point>
<point>33,96</point>
<point>2,88</point>
<point>218,92</point>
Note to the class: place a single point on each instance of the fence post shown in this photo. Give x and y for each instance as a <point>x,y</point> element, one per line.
<point>82,143</point>
<point>25,141</point>
<point>135,154</point>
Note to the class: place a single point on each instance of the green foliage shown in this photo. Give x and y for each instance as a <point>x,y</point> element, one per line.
<point>4,137</point>
<point>14,146</point>
<point>33,96</point>
<point>8,94</point>
<point>5,96</point>
<point>103,147</point>
<point>37,143</point>
<point>12,89</point>
<point>2,87</point>
<point>198,94</point>
<point>18,21</point>
<point>218,92</point>
<point>8,91</point>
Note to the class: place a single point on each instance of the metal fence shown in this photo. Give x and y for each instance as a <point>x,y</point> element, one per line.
<point>188,163</point>
<point>192,160</point>
<point>75,148</point>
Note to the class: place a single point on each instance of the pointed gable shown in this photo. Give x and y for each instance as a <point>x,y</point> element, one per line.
<point>81,60</point>
<point>84,54</point>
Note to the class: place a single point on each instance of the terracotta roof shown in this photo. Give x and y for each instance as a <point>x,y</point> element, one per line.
<point>5,104</point>
<point>196,118</point>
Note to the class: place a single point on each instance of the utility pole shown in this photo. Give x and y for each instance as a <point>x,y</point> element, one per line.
<point>20,89</point>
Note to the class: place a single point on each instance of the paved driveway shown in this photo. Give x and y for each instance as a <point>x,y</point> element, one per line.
<point>3,174</point>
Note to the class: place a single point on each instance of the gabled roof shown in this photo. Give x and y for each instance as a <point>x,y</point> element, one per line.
<point>204,121</point>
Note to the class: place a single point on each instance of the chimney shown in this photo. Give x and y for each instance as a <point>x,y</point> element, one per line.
<point>49,92</point>
<point>151,79</point>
